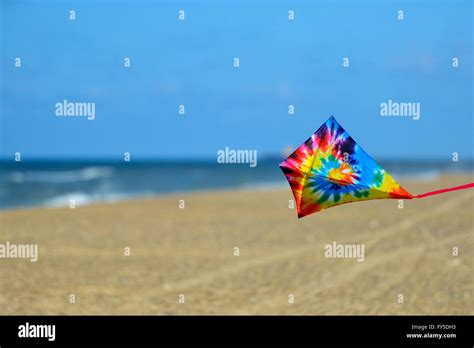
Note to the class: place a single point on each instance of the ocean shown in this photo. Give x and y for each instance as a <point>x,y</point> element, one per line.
<point>55,183</point>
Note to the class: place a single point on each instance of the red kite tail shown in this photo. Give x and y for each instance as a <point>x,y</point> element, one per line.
<point>437,192</point>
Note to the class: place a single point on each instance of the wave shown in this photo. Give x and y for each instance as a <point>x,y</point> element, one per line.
<point>81,199</point>
<point>265,186</point>
<point>65,176</point>
<point>429,175</point>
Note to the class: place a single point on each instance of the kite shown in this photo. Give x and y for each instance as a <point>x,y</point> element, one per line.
<point>330,169</point>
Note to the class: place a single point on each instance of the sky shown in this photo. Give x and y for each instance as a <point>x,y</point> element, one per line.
<point>191,62</point>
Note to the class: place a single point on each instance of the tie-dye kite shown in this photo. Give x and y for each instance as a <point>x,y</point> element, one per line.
<point>331,169</point>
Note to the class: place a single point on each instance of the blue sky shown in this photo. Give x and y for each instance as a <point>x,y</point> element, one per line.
<point>190,62</point>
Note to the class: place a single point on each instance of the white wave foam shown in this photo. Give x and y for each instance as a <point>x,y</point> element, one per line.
<point>429,175</point>
<point>81,199</point>
<point>62,176</point>
<point>264,187</point>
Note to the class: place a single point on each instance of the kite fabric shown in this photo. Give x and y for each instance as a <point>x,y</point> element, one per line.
<point>331,169</point>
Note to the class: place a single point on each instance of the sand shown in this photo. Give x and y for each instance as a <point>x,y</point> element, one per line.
<point>190,252</point>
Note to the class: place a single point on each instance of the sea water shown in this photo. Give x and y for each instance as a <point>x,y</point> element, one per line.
<point>47,183</point>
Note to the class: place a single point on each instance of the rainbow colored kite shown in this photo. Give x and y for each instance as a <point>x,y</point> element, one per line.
<point>331,169</point>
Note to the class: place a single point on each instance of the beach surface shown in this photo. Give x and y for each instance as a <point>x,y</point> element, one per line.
<point>281,267</point>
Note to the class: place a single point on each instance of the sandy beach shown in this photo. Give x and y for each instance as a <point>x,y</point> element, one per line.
<point>191,252</point>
